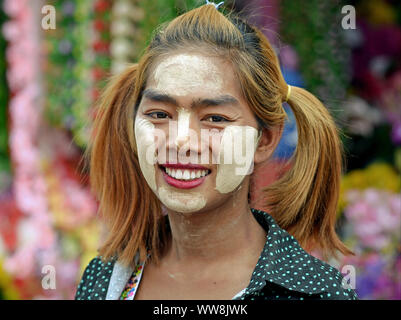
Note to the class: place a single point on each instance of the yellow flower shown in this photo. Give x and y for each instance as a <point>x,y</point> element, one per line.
<point>378,175</point>
<point>378,11</point>
<point>7,287</point>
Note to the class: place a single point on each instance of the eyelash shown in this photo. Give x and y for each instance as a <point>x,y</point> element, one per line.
<point>150,114</point>
<point>222,119</point>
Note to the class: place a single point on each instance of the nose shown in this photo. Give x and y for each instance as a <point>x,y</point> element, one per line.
<point>185,138</point>
<point>183,124</point>
<point>181,141</point>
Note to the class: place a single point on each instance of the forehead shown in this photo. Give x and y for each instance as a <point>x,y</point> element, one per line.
<point>186,73</point>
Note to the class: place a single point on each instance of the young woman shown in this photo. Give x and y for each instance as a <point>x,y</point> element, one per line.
<point>175,145</point>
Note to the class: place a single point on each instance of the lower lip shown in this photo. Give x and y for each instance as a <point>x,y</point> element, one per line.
<point>181,184</point>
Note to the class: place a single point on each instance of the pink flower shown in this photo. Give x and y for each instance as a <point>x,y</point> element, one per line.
<point>14,7</point>
<point>375,217</point>
<point>11,30</point>
<point>22,263</point>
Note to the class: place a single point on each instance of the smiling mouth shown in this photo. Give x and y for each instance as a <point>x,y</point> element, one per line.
<point>184,176</point>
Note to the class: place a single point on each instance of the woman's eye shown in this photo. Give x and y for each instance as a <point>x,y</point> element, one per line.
<point>215,118</point>
<point>158,115</point>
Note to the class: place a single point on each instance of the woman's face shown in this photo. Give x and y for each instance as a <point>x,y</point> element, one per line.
<point>195,134</point>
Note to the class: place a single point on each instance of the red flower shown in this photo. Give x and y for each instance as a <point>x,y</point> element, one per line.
<point>10,216</point>
<point>101,5</point>
<point>99,25</point>
<point>101,47</point>
<point>98,73</point>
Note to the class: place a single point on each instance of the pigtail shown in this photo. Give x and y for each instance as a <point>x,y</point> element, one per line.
<point>304,200</point>
<point>127,205</point>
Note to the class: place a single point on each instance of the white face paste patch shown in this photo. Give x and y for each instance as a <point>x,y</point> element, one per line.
<point>144,136</point>
<point>183,125</point>
<point>182,202</point>
<point>183,73</point>
<point>174,200</point>
<point>237,149</point>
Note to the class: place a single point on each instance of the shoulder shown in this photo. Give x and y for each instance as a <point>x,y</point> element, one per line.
<point>95,279</point>
<point>290,272</point>
<point>316,278</point>
<point>329,282</point>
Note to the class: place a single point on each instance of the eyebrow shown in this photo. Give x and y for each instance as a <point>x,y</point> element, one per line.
<point>157,96</point>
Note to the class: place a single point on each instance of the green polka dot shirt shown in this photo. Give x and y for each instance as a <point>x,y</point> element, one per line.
<point>284,271</point>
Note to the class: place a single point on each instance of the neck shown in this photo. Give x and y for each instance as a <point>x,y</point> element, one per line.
<point>221,233</point>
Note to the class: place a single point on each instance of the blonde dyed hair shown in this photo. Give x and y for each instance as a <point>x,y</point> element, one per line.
<point>303,201</point>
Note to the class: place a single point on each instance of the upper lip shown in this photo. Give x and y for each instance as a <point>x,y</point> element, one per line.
<point>184,166</point>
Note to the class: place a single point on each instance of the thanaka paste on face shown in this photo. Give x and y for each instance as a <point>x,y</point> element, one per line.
<point>144,136</point>
<point>182,125</point>
<point>183,73</point>
<point>174,200</point>
<point>236,152</point>
<point>237,149</point>
<point>180,201</point>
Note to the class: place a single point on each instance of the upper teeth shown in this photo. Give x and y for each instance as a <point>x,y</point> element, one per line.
<point>186,174</point>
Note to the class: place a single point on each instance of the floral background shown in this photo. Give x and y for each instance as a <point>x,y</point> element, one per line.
<point>50,80</point>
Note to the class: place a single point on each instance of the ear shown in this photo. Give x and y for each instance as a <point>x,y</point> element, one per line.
<point>270,137</point>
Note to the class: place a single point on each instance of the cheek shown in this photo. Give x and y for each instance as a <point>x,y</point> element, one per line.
<point>237,149</point>
<point>210,143</point>
<point>145,142</point>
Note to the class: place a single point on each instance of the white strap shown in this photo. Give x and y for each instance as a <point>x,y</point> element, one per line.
<point>118,280</point>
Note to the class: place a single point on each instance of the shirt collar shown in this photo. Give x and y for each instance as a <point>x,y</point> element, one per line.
<point>283,262</point>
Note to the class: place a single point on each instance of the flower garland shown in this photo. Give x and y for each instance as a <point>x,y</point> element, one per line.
<point>101,45</point>
<point>373,233</point>
<point>7,288</point>
<point>59,79</point>
<point>69,78</point>
<point>373,113</point>
<point>375,216</point>
<point>81,89</point>
<point>35,231</point>
<point>391,105</point>
<point>370,199</point>
<point>377,175</point>
<point>4,157</point>
<point>73,210</point>
<point>124,33</point>
<point>57,227</point>
<point>313,28</point>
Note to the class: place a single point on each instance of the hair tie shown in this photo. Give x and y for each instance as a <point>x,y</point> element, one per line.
<point>288,93</point>
<point>215,5</point>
